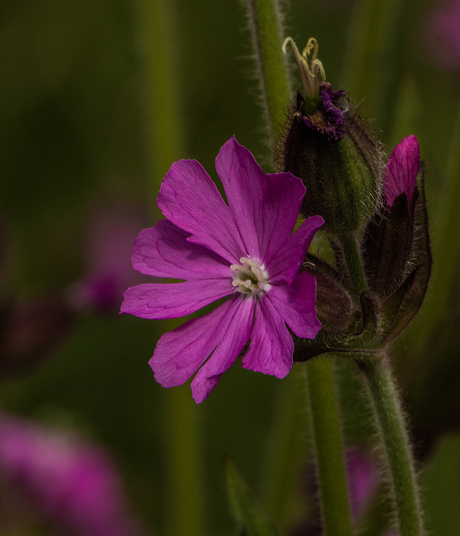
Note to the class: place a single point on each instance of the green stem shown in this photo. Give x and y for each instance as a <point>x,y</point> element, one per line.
<point>184,491</point>
<point>266,30</point>
<point>286,450</point>
<point>162,98</point>
<point>395,443</point>
<point>184,487</point>
<point>354,264</point>
<point>327,442</point>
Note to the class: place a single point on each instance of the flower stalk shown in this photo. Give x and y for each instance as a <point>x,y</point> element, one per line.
<point>265,21</point>
<point>394,440</point>
<point>328,449</point>
<point>353,260</point>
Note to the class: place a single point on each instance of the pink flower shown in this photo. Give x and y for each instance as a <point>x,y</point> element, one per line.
<point>109,238</point>
<point>443,36</point>
<point>401,170</point>
<point>74,485</point>
<point>243,251</point>
<point>362,481</point>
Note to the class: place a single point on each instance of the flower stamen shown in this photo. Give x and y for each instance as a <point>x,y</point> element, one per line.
<point>249,277</point>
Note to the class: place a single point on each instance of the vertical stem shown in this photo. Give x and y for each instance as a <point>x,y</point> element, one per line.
<point>184,488</point>
<point>354,264</point>
<point>286,450</point>
<point>395,443</point>
<point>266,30</point>
<point>162,98</point>
<point>327,440</point>
<point>184,492</point>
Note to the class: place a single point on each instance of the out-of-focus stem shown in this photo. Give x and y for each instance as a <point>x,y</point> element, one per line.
<point>327,442</point>
<point>286,450</point>
<point>165,128</point>
<point>184,487</point>
<point>184,490</point>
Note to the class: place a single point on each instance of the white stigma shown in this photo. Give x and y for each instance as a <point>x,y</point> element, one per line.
<point>250,277</point>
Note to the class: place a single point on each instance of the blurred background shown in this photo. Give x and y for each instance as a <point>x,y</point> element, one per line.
<point>97,99</point>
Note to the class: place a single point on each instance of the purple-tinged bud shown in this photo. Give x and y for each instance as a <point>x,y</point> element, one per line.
<point>396,244</point>
<point>401,172</point>
<point>331,149</point>
<point>389,237</point>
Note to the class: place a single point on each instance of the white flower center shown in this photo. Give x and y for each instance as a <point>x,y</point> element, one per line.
<point>250,277</point>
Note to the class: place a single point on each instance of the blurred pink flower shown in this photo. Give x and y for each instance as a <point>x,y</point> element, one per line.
<point>74,485</point>
<point>362,481</point>
<point>443,35</point>
<point>109,240</point>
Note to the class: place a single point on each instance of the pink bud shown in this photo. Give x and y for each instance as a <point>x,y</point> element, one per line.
<point>401,170</point>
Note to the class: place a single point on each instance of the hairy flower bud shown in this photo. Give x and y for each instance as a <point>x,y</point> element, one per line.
<point>396,244</point>
<point>331,149</point>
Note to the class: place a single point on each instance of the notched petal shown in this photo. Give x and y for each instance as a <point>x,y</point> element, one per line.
<point>165,251</point>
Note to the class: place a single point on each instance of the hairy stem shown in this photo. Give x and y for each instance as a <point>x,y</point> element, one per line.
<point>394,439</point>
<point>267,37</point>
<point>327,443</point>
<point>354,264</point>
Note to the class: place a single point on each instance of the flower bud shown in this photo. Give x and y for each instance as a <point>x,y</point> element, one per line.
<point>331,149</point>
<point>396,243</point>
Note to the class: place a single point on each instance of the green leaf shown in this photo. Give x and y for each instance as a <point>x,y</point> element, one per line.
<point>247,513</point>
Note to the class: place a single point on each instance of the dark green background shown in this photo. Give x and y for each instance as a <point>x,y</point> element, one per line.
<point>74,133</point>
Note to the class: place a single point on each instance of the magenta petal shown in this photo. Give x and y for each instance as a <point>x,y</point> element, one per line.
<point>402,169</point>
<point>296,305</point>
<point>155,300</point>
<point>286,263</point>
<point>190,199</point>
<point>164,251</point>
<point>282,201</point>
<point>179,353</point>
<point>244,184</point>
<point>265,207</point>
<point>271,347</point>
<point>231,338</point>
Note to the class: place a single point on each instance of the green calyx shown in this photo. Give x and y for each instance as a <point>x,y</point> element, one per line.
<point>342,176</point>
